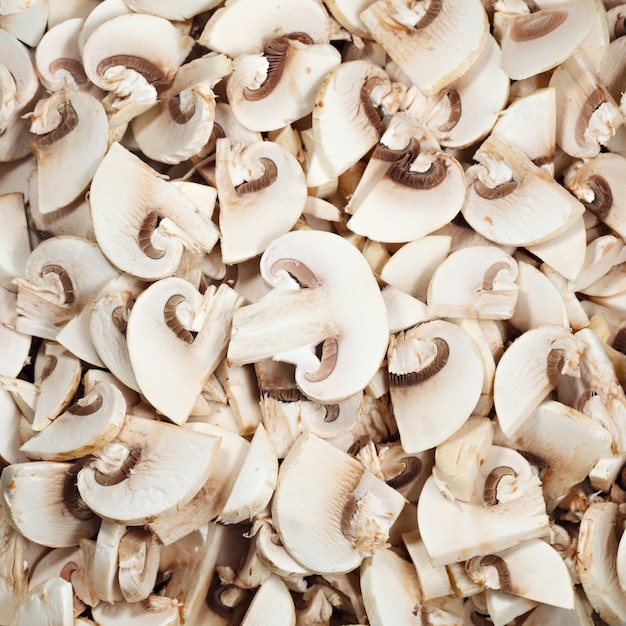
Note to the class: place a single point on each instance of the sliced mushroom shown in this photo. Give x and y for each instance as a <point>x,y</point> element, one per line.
<point>29,24</point>
<point>105,562</point>
<point>51,602</point>
<point>138,564</point>
<point>415,38</point>
<point>182,11</point>
<point>153,611</point>
<point>274,556</point>
<point>272,605</point>
<point>15,244</point>
<point>298,316</point>
<point>262,193</point>
<point>434,582</point>
<point>14,568</point>
<point>423,362</point>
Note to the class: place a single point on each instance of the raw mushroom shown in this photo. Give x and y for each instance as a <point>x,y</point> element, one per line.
<point>138,564</point>
<point>48,604</point>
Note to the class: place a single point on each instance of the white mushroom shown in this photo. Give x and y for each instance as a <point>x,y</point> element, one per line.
<point>48,604</point>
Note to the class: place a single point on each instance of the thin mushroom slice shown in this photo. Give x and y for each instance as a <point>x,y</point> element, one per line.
<point>288,323</point>
<point>538,41</point>
<point>138,556</point>
<point>348,511</point>
<point>48,604</point>
<point>508,508</point>
<point>37,495</point>
<point>423,363</point>
<point>416,38</point>
<point>262,193</point>
<point>15,245</point>
<point>180,125</point>
<point>243,27</point>
<point>105,562</point>
<point>72,138</point>
<point>530,368</point>
<point>474,282</point>
<point>272,605</point>
<point>109,482</point>
<point>176,338</point>
<point>504,186</point>
<point>142,222</point>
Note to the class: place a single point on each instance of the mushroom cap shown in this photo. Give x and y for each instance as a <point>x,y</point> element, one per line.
<point>171,466</point>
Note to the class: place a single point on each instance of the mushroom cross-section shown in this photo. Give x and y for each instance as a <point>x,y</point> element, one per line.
<point>330,300</point>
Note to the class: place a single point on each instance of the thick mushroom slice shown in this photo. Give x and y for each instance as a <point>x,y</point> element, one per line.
<point>501,202</point>
<point>43,503</point>
<point>331,301</point>
<point>262,193</point>
<point>508,508</point>
<point>474,282</point>
<point>165,463</point>
<point>176,338</point>
<point>48,604</point>
<point>530,368</point>
<point>540,40</point>
<point>72,138</point>
<point>409,188</point>
<point>271,91</point>
<point>180,125</point>
<point>417,37</point>
<point>424,363</point>
<point>142,222</point>
<point>348,511</point>
<point>244,27</point>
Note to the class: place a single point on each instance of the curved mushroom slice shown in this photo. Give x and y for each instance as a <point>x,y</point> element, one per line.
<point>598,184</point>
<point>153,611</point>
<point>184,459</point>
<point>72,138</point>
<point>332,300</point>
<point>57,57</point>
<point>180,125</point>
<point>176,338</point>
<point>184,9</point>
<point>538,41</point>
<point>474,282</point>
<point>416,38</point>
<point>272,605</point>
<point>587,117</point>
<point>501,201</point>
<point>98,15</point>
<point>509,508</point>
<point>262,193</point>
<point>270,91</point>
<point>141,221</point>
<point>529,369</point>
<point>138,564</point>
<point>273,554</point>
<point>48,604</point>
<point>242,27</point>
<point>423,363</point>
<point>14,239</point>
<point>87,425</point>
<point>62,276</point>
<point>43,504</point>
<point>129,55</point>
<point>514,571</point>
<point>348,511</point>
<point>346,120</point>
<point>596,557</point>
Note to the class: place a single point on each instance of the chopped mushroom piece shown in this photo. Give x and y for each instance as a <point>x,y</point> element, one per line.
<point>48,604</point>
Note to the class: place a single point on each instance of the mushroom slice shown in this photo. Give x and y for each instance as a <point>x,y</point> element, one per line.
<point>10,417</point>
<point>596,558</point>
<point>37,495</point>
<point>273,554</point>
<point>18,77</point>
<point>602,254</point>
<point>176,337</point>
<point>180,125</point>
<point>272,605</point>
<point>504,186</point>
<point>538,41</point>
<point>184,10</point>
<point>508,508</point>
<point>597,183</point>
<point>14,239</point>
<point>255,482</point>
<point>564,443</point>
<point>529,369</point>
<point>129,55</point>
<point>587,117</point>
<point>14,568</point>
<point>49,604</point>
<point>474,282</point>
<point>105,561</point>
<point>153,611</point>
<point>138,564</point>
<point>109,482</point>
<point>434,582</point>
<point>270,91</point>
<point>348,511</point>
<point>416,38</point>
<point>514,571</point>
<point>72,138</point>
<point>141,221</point>
<point>241,27</point>
<point>27,25</point>
<point>423,363</point>
<point>84,427</point>
<point>298,315</point>
<point>58,59</point>
<point>346,120</point>
<point>262,193</point>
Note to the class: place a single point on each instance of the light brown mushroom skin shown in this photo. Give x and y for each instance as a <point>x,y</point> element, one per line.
<point>536,25</point>
<point>434,367</point>
<point>602,201</point>
<point>490,493</point>
<point>107,480</point>
<point>173,323</point>
<point>64,278</point>
<point>596,98</point>
<point>73,66</point>
<point>144,236</point>
<point>265,180</point>
<point>151,72</point>
<point>69,121</point>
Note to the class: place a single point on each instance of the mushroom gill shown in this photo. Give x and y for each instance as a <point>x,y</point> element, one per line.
<point>384,153</point>
<point>69,121</point>
<point>177,114</point>
<point>370,110</point>
<point>497,192</point>
<point>84,408</point>
<point>492,272</point>
<point>173,323</point>
<point>64,279</point>
<point>265,180</point>
<point>74,503</point>
<point>121,474</point>
<point>490,493</point>
<point>148,70</point>
<point>432,11</point>
<point>328,361</point>
<point>144,236</point>
<point>454,102</point>
<point>594,100</point>
<point>401,173</point>
<point>555,358</point>
<point>411,467</point>
<point>536,25</point>
<point>602,196</point>
<point>497,562</point>
<point>73,66</point>
<point>434,367</point>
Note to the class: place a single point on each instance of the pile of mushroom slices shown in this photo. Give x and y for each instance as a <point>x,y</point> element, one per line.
<point>312,313</point>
